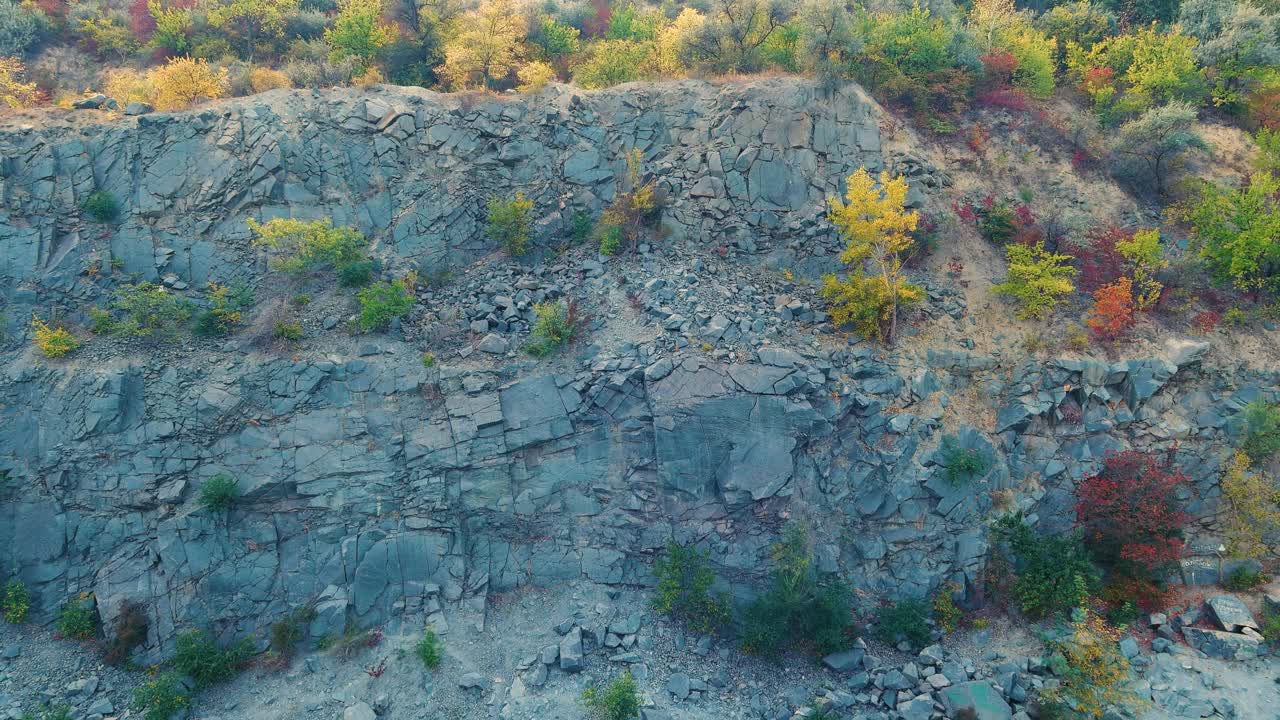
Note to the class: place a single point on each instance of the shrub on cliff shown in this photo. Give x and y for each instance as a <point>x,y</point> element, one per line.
<point>162,698</point>
<point>128,632</point>
<point>199,657</point>
<point>53,342</point>
<point>684,592</point>
<point>78,619</point>
<point>219,493</point>
<point>184,81</point>
<point>1130,516</point>
<point>619,700</point>
<point>383,302</point>
<point>101,207</point>
<point>554,325</point>
<point>140,310</point>
<point>429,649</point>
<point>905,621</point>
<point>16,601</point>
<point>1037,280</point>
<point>1261,430</point>
<point>510,223</point>
<point>298,246</point>
<point>1053,573</point>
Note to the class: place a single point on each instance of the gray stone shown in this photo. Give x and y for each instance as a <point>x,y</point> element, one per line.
<point>1220,644</point>
<point>977,697</point>
<point>571,651</point>
<point>494,344</point>
<point>1230,613</point>
<point>359,711</point>
<point>473,681</point>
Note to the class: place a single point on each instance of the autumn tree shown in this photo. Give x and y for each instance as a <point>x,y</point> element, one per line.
<point>876,227</point>
<point>1154,145</point>
<point>484,45</point>
<point>251,21</point>
<point>1145,257</point>
<point>735,30</point>
<point>1037,279</point>
<point>1112,314</point>
<point>359,32</point>
<point>184,81</point>
<point>1082,23</point>
<point>1130,514</point>
<point>1252,507</point>
<point>1236,229</point>
<point>14,93</point>
<point>1237,40</point>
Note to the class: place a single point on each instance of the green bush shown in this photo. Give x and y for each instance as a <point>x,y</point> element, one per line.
<point>905,620</point>
<point>219,493</point>
<point>288,632</point>
<point>144,308</point>
<point>288,331</point>
<point>960,465</point>
<point>199,657</point>
<point>611,240</point>
<point>1053,572</point>
<point>358,274</point>
<point>77,619</point>
<point>16,602</point>
<point>226,308</point>
<point>429,649</point>
<point>129,631</point>
<point>383,302</point>
<point>304,246</point>
<point>684,589</point>
<point>1038,279</point>
<point>1262,430</point>
<point>511,223</point>
<point>101,207</point>
<point>619,700</point>
<point>555,325</point>
<point>996,223</point>
<point>54,712</point>
<point>1244,578</point>
<point>797,611</point>
<point>162,698</point>
<point>581,227</point>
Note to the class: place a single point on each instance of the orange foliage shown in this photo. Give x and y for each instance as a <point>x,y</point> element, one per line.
<point>1112,313</point>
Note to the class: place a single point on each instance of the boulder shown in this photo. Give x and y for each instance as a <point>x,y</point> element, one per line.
<point>1230,613</point>
<point>1220,644</point>
<point>359,711</point>
<point>571,651</point>
<point>978,698</point>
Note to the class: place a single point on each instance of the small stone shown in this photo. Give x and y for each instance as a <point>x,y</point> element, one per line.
<point>494,344</point>
<point>359,711</point>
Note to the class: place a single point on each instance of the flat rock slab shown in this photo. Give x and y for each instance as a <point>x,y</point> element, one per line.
<point>1231,614</point>
<point>1220,644</point>
<point>977,697</point>
<point>845,661</point>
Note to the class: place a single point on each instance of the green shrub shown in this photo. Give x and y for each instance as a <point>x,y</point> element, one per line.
<point>16,602</point>
<point>304,246</point>
<point>581,227</point>
<point>162,698</point>
<point>511,223</point>
<point>945,611</point>
<point>1244,578</point>
<point>611,240</point>
<point>555,325</point>
<point>53,341</point>
<point>53,712</point>
<point>1262,430</point>
<point>129,631</point>
<point>77,619</point>
<point>101,207</point>
<point>1054,573</point>
<point>996,223</point>
<point>960,465</point>
<point>226,308</point>
<point>1271,625</point>
<point>428,649</point>
<point>219,493</point>
<point>1038,279</point>
<point>288,632</point>
<point>144,308</point>
<point>199,657</point>
<point>428,360</point>
<point>383,302</point>
<point>905,620</point>
<point>684,589</point>
<point>619,700</point>
<point>357,274</point>
<point>797,611</point>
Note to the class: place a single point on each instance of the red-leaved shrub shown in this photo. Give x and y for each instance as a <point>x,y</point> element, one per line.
<point>1099,262</point>
<point>1130,516</point>
<point>1003,98</point>
<point>1206,321</point>
<point>1112,314</point>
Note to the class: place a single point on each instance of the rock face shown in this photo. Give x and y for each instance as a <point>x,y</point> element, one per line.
<point>414,169</point>
<point>373,486</point>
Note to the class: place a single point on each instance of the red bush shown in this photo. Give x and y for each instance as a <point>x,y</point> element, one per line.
<point>1003,98</point>
<point>1112,313</point>
<point>141,22</point>
<point>1206,321</point>
<point>1130,515</point>
<point>1264,107</point>
<point>1097,78</point>
<point>1099,262</point>
<point>998,65</point>
<point>1144,594</point>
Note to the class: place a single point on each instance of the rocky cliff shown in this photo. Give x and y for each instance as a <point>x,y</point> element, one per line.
<point>374,487</point>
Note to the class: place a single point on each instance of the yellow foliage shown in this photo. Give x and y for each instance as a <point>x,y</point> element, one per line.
<point>535,75</point>
<point>673,42</point>
<point>13,92</point>
<point>184,81</point>
<point>263,79</point>
<point>1146,258</point>
<point>876,227</point>
<point>127,85</point>
<point>53,342</point>
<point>483,44</point>
<point>1252,508</point>
<point>1095,673</point>
<point>368,78</point>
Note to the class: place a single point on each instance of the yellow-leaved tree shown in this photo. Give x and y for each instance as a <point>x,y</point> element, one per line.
<point>14,93</point>
<point>483,44</point>
<point>876,227</point>
<point>184,81</point>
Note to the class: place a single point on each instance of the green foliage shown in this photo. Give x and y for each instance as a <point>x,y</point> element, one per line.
<point>290,332</point>
<point>961,465</point>
<point>101,207</point>
<point>162,698</point>
<point>1267,159</point>
<point>1236,230</point>
<point>581,227</point>
<point>357,274</point>
<point>299,246</point>
<point>144,309</point>
<point>611,62</point>
<point>19,26</point>
<point>555,324</point>
<point>359,32</point>
<point>1244,578</point>
<point>53,341</point>
<point>1037,280</point>
<point>555,39</point>
<point>906,620</point>
<point>996,223</point>
<point>289,631</point>
<point>199,657</point>
<point>1261,430</point>
<point>219,493</point>
<point>1155,144</point>
<point>797,611</point>
<point>383,302</point>
<point>611,240</point>
<point>16,601</point>
<point>619,700</point>
<point>51,712</point>
<point>226,308</point>
<point>1082,23</point>
<point>77,619</point>
<point>428,360</point>
<point>510,223</point>
<point>429,649</point>
<point>1054,574</point>
<point>129,631</point>
<point>684,589</point>
<point>1270,624</point>
<point>945,611</point>
<point>1132,73</point>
